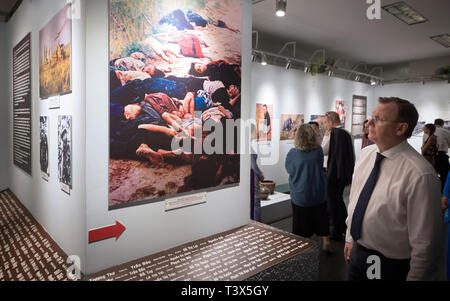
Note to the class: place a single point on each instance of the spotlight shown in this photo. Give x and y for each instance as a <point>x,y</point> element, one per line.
<point>307,68</point>
<point>373,82</point>
<point>357,78</point>
<point>281,8</point>
<point>330,73</point>
<point>288,65</point>
<point>253,57</point>
<point>422,82</point>
<point>263,60</point>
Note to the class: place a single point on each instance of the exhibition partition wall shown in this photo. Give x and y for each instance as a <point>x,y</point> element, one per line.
<point>4,101</point>
<point>57,52</point>
<point>150,225</point>
<point>67,186</point>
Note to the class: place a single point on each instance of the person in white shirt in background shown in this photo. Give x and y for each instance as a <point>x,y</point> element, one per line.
<point>443,143</point>
<point>402,223</point>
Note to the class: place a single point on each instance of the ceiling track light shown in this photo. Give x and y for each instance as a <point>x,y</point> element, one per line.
<point>288,65</point>
<point>307,68</point>
<point>281,8</point>
<point>330,73</point>
<point>357,77</point>
<point>253,57</point>
<point>263,60</point>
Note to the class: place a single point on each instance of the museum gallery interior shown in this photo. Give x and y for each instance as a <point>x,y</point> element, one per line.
<point>130,131</point>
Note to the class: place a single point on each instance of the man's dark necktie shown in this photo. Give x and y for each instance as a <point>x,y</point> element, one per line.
<point>363,200</point>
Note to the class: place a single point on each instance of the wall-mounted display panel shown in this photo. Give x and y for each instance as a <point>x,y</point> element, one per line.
<point>264,122</point>
<point>359,115</point>
<point>43,147</point>
<point>341,111</point>
<point>418,130</point>
<point>65,152</point>
<point>22,104</point>
<point>289,125</point>
<point>175,78</point>
<point>55,51</point>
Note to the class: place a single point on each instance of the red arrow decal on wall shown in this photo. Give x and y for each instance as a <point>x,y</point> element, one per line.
<point>106,232</point>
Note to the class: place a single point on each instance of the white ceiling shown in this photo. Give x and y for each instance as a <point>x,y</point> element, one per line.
<point>342,27</point>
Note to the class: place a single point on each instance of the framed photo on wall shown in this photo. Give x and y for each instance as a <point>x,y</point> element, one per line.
<point>341,111</point>
<point>65,152</point>
<point>55,52</point>
<point>359,115</point>
<point>22,105</point>
<point>175,70</point>
<point>43,147</point>
<point>289,125</point>
<point>264,122</point>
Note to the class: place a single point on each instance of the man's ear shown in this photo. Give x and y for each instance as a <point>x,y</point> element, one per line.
<point>402,128</point>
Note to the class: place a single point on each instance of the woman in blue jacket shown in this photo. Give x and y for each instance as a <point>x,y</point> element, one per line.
<point>308,186</point>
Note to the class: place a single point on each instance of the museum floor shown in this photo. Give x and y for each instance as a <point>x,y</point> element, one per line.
<point>331,267</point>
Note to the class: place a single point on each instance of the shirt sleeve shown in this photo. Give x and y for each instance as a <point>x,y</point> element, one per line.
<point>326,145</point>
<point>426,229</point>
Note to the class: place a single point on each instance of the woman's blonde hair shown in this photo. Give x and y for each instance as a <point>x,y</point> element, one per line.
<point>306,138</point>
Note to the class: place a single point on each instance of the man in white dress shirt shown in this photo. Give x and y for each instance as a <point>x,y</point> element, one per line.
<point>402,221</point>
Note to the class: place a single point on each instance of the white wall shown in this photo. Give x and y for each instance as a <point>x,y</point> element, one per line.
<point>149,228</point>
<point>62,216</point>
<point>294,92</point>
<point>4,100</point>
<point>432,101</point>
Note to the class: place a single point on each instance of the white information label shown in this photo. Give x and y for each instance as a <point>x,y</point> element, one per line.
<point>53,102</point>
<point>44,176</point>
<point>185,201</point>
<point>65,188</point>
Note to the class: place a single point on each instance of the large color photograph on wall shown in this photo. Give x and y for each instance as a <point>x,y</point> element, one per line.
<point>290,123</point>
<point>55,42</point>
<point>340,110</point>
<point>175,77</point>
<point>264,122</point>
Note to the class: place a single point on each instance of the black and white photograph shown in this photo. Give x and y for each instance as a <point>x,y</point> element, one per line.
<point>43,147</point>
<point>65,152</point>
<point>418,130</point>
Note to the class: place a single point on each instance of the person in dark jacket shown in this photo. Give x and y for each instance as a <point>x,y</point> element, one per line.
<point>340,165</point>
<point>256,175</point>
